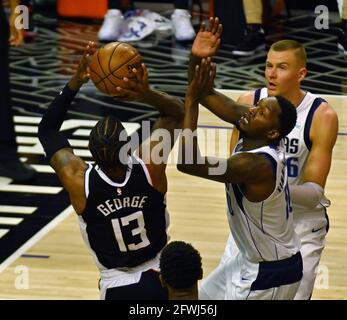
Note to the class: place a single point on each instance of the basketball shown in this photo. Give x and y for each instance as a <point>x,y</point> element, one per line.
<point>111,63</point>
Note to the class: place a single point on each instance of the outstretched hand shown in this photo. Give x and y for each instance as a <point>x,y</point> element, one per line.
<point>82,73</point>
<point>203,80</point>
<point>207,41</point>
<point>135,89</point>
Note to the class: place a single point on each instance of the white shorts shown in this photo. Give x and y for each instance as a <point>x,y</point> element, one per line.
<point>236,278</point>
<point>311,229</point>
<point>112,278</point>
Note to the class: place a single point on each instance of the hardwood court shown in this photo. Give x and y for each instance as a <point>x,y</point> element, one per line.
<point>60,267</point>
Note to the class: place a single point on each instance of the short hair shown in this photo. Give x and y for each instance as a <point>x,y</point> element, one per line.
<point>298,48</point>
<point>104,143</point>
<point>287,117</point>
<point>180,265</point>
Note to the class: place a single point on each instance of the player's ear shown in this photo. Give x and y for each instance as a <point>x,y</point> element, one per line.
<point>273,134</point>
<point>302,74</point>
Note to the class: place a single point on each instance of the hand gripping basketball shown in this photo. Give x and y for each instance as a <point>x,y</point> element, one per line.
<point>111,63</point>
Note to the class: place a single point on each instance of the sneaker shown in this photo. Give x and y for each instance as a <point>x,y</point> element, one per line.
<point>112,26</point>
<point>254,41</point>
<point>161,23</point>
<point>136,28</point>
<point>17,171</point>
<point>182,25</point>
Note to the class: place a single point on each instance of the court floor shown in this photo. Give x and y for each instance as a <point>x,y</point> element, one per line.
<point>58,265</point>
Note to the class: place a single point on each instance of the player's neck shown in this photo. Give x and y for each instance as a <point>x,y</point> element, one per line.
<point>295,96</point>
<point>251,144</point>
<point>117,174</point>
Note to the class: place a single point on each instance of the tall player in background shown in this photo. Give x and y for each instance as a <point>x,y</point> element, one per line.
<point>309,146</point>
<point>268,264</point>
<point>120,200</point>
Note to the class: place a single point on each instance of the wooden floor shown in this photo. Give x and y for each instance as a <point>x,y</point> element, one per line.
<point>198,215</point>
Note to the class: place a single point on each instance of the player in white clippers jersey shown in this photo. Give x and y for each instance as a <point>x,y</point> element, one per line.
<point>268,264</point>
<point>308,147</point>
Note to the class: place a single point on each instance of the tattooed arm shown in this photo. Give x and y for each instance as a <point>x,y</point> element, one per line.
<point>69,168</point>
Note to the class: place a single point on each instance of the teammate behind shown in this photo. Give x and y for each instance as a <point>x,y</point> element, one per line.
<point>119,200</point>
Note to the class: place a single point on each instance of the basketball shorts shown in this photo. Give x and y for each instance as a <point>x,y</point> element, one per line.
<point>141,285</point>
<point>236,278</point>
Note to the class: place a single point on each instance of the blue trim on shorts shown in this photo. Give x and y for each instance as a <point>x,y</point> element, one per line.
<point>273,274</point>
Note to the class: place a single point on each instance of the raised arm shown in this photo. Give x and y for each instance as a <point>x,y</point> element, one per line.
<point>248,99</point>
<point>68,167</point>
<point>252,170</point>
<point>155,150</point>
<point>206,44</point>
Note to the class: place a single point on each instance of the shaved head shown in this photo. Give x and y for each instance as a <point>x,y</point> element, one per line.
<point>291,45</point>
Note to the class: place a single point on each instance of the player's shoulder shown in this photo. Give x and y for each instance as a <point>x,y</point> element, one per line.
<point>325,112</point>
<point>247,97</point>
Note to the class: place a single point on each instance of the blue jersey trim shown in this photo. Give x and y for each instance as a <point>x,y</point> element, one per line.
<point>256,96</point>
<point>316,103</point>
<point>272,161</point>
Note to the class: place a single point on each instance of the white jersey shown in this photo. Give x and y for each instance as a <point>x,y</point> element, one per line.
<point>264,231</point>
<point>297,142</point>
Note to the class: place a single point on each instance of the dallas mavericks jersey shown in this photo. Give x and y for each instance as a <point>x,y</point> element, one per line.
<point>124,224</point>
<point>297,142</point>
<point>263,231</point>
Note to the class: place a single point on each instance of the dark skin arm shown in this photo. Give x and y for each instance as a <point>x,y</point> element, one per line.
<point>171,112</point>
<point>70,168</point>
<point>253,172</point>
<point>206,44</point>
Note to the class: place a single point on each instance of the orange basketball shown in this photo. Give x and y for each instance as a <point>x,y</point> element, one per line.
<point>111,63</point>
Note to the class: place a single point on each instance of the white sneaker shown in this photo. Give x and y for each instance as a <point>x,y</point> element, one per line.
<point>111,26</point>
<point>161,23</point>
<point>136,28</point>
<point>182,26</point>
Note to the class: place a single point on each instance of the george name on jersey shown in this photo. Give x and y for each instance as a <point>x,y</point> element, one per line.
<point>113,205</point>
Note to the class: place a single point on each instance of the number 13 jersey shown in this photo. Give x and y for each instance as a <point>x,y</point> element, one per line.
<point>124,224</point>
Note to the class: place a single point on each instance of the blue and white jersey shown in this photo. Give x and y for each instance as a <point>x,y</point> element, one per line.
<point>297,143</point>
<point>264,231</point>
